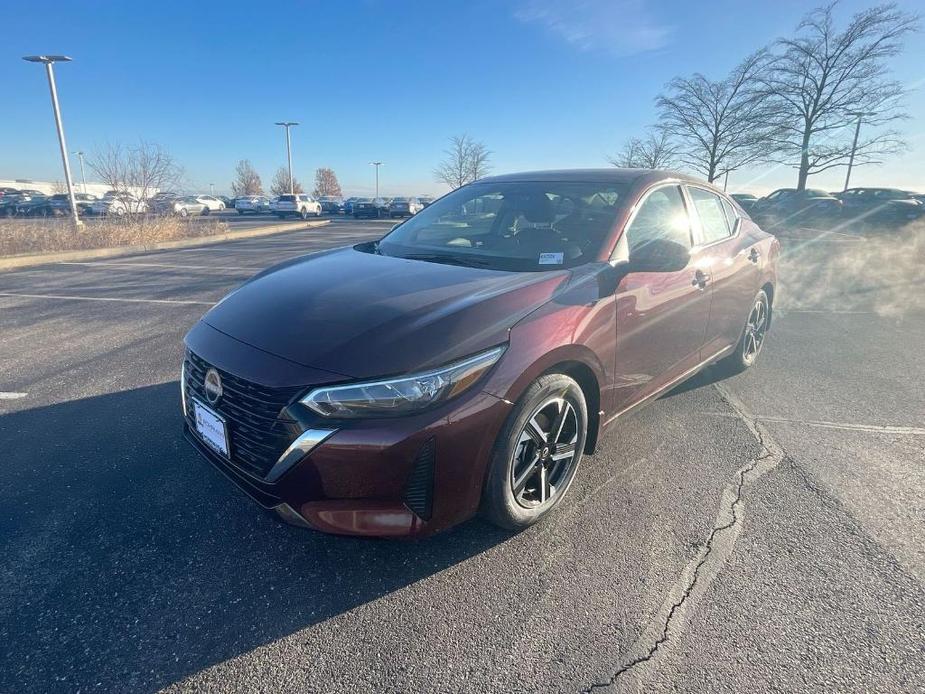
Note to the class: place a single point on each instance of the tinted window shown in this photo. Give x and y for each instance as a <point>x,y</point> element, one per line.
<point>662,215</point>
<point>713,221</point>
<point>286,198</point>
<point>514,225</point>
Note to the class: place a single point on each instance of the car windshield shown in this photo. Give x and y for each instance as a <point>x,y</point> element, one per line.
<point>524,225</point>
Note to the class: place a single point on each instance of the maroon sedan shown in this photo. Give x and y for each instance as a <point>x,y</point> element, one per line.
<point>467,361</point>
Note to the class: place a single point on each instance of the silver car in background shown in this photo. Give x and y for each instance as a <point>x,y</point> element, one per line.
<point>252,204</point>
<point>404,207</point>
<point>188,206</point>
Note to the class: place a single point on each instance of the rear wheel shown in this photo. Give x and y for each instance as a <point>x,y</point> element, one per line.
<point>303,213</point>
<point>537,453</point>
<point>183,212</point>
<point>752,339</point>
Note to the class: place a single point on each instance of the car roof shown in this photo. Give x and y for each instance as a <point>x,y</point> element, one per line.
<point>611,175</point>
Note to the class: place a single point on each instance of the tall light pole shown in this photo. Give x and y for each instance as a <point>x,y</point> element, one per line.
<point>854,145</point>
<point>49,61</point>
<point>287,125</point>
<point>377,164</point>
<point>83,175</point>
<point>212,189</point>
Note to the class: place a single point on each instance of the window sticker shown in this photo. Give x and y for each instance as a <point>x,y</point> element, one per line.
<point>551,258</point>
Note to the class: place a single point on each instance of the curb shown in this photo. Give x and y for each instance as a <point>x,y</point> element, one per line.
<point>21,261</point>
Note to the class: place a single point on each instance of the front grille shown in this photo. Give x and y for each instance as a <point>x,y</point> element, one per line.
<point>257,433</point>
<point>419,491</point>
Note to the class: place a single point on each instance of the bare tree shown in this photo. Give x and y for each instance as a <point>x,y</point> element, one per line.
<point>280,183</point>
<point>140,170</point>
<point>656,151</point>
<point>247,180</point>
<point>326,183</point>
<point>823,80</point>
<point>720,126</point>
<point>466,160</point>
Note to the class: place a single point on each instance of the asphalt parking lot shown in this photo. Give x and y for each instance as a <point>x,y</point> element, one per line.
<point>760,533</point>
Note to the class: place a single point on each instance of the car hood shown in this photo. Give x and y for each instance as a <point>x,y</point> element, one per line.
<point>365,315</point>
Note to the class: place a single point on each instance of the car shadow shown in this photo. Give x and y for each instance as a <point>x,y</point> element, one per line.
<point>707,377</point>
<point>128,563</point>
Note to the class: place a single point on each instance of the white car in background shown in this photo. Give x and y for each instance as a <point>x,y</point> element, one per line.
<point>298,205</point>
<point>211,202</point>
<point>118,205</point>
<point>252,204</point>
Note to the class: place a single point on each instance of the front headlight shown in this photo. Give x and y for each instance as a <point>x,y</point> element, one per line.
<point>404,395</point>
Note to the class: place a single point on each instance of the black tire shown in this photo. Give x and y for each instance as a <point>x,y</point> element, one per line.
<point>303,213</point>
<point>240,211</point>
<point>748,348</point>
<point>206,211</point>
<point>519,460</point>
<point>281,216</point>
<point>183,212</point>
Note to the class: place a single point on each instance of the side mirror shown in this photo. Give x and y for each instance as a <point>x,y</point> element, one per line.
<point>659,255</point>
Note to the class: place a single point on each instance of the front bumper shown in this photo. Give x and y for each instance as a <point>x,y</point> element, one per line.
<point>406,476</point>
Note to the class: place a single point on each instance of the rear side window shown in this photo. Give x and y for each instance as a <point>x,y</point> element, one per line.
<point>713,221</point>
<point>732,217</point>
<point>663,216</point>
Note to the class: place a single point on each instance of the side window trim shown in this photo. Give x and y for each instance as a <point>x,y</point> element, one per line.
<point>621,247</point>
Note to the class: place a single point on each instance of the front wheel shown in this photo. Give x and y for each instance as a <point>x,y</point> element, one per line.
<point>304,213</point>
<point>752,339</point>
<point>537,453</point>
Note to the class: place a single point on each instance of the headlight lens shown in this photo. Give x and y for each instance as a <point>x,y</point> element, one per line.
<point>404,395</point>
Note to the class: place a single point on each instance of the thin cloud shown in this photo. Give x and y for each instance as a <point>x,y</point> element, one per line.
<point>621,27</point>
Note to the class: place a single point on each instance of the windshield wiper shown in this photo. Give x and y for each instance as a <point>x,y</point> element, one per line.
<point>450,259</point>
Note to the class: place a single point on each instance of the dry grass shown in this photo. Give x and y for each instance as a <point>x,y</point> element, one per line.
<point>28,236</point>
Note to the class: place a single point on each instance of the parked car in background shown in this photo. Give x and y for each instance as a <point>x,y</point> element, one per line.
<point>425,200</point>
<point>879,207</point>
<point>31,206</point>
<point>509,344</point>
<point>252,204</point>
<point>6,191</point>
<point>118,205</point>
<point>383,205</point>
<point>60,204</point>
<point>746,200</point>
<point>212,202</point>
<point>187,206</point>
<point>365,207</point>
<point>297,205</point>
<point>348,204</point>
<point>226,201</point>
<point>404,207</point>
<point>788,208</point>
<point>331,204</point>
<point>159,203</point>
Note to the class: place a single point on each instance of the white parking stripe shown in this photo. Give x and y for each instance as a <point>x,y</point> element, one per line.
<point>106,298</point>
<point>845,426</point>
<point>12,396</point>
<point>165,265</point>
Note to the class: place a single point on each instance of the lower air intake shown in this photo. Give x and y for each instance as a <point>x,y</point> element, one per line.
<point>419,492</point>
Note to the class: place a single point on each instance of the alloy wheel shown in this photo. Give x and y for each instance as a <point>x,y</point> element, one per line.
<point>545,454</point>
<point>755,328</point>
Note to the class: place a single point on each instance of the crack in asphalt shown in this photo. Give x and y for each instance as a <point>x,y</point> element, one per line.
<point>717,547</point>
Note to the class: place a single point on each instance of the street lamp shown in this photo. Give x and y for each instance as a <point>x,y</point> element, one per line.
<point>287,125</point>
<point>49,61</point>
<point>854,145</point>
<point>377,164</point>
<point>212,189</point>
<point>83,175</point>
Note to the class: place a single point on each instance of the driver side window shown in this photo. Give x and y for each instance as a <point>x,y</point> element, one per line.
<point>662,216</point>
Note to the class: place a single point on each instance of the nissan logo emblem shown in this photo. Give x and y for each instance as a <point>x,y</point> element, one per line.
<point>213,386</point>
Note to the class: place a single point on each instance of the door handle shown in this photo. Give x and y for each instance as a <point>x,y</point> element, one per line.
<point>700,279</point>
<point>754,255</point>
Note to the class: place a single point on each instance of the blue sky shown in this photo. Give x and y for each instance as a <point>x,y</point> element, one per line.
<point>544,83</point>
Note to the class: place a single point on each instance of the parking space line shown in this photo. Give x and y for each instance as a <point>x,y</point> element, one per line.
<point>106,298</point>
<point>845,426</point>
<point>12,396</point>
<point>164,265</point>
